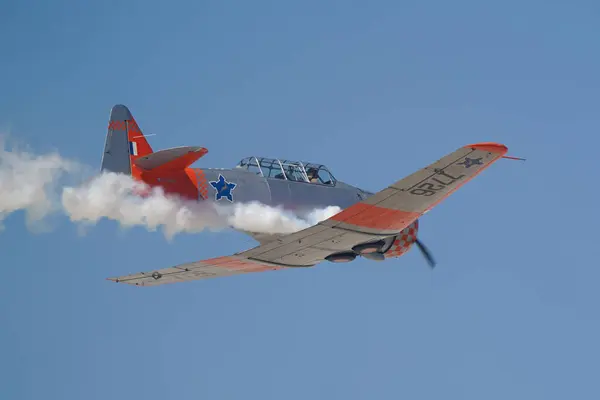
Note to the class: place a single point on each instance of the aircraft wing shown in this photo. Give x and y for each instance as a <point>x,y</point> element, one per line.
<point>383,214</point>
<point>211,268</point>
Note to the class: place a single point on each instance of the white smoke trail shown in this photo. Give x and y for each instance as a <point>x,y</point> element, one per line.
<point>115,197</point>
<point>30,182</point>
<point>33,184</point>
<point>257,217</point>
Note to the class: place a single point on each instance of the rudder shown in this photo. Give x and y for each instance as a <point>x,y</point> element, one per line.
<point>124,143</point>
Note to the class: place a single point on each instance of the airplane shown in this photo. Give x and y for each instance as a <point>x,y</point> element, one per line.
<point>376,226</point>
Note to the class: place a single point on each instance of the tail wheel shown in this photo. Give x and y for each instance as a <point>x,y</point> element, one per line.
<point>341,257</point>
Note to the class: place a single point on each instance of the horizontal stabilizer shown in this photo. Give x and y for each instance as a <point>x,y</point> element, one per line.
<point>169,160</point>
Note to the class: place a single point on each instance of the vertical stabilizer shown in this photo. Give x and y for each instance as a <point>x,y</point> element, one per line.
<point>124,143</point>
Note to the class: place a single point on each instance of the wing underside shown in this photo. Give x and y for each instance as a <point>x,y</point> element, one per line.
<point>381,215</point>
<point>211,268</point>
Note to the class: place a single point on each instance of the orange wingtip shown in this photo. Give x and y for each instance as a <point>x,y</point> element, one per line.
<point>489,146</point>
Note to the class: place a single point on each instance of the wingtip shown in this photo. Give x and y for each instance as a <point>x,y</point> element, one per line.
<point>492,147</point>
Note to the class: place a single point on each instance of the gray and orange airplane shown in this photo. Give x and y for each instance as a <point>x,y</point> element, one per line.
<point>376,226</point>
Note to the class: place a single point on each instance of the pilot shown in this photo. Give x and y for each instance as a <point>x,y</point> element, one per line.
<point>313,175</point>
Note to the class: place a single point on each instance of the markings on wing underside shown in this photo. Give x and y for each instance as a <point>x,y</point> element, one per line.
<point>469,162</point>
<point>441,181</point>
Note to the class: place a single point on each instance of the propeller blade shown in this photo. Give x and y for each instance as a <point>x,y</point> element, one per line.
<point>426,253</point>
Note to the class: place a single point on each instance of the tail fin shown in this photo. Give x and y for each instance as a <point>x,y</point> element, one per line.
<point>124,144</point>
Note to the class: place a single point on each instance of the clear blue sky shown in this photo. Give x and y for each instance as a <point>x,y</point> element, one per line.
<point>385,88</point>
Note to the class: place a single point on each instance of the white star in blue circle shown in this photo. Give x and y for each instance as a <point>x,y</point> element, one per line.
<point>223,188</point>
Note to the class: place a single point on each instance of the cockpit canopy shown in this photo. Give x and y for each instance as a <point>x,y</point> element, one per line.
<point>289,170</point>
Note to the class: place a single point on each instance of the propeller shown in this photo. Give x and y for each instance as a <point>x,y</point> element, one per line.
<point>426,253</point>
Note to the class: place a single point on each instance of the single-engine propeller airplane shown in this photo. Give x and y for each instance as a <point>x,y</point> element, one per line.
<point>376,226</point>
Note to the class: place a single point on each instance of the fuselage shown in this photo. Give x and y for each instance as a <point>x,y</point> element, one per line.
<point>293,185</point>
<point>238,185</point>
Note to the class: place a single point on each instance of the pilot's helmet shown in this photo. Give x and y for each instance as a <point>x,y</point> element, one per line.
<point>311,172</point>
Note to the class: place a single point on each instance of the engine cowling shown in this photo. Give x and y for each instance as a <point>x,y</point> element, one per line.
<point>394,246</point>
<point>402,242</point>
<point>390,247</point>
